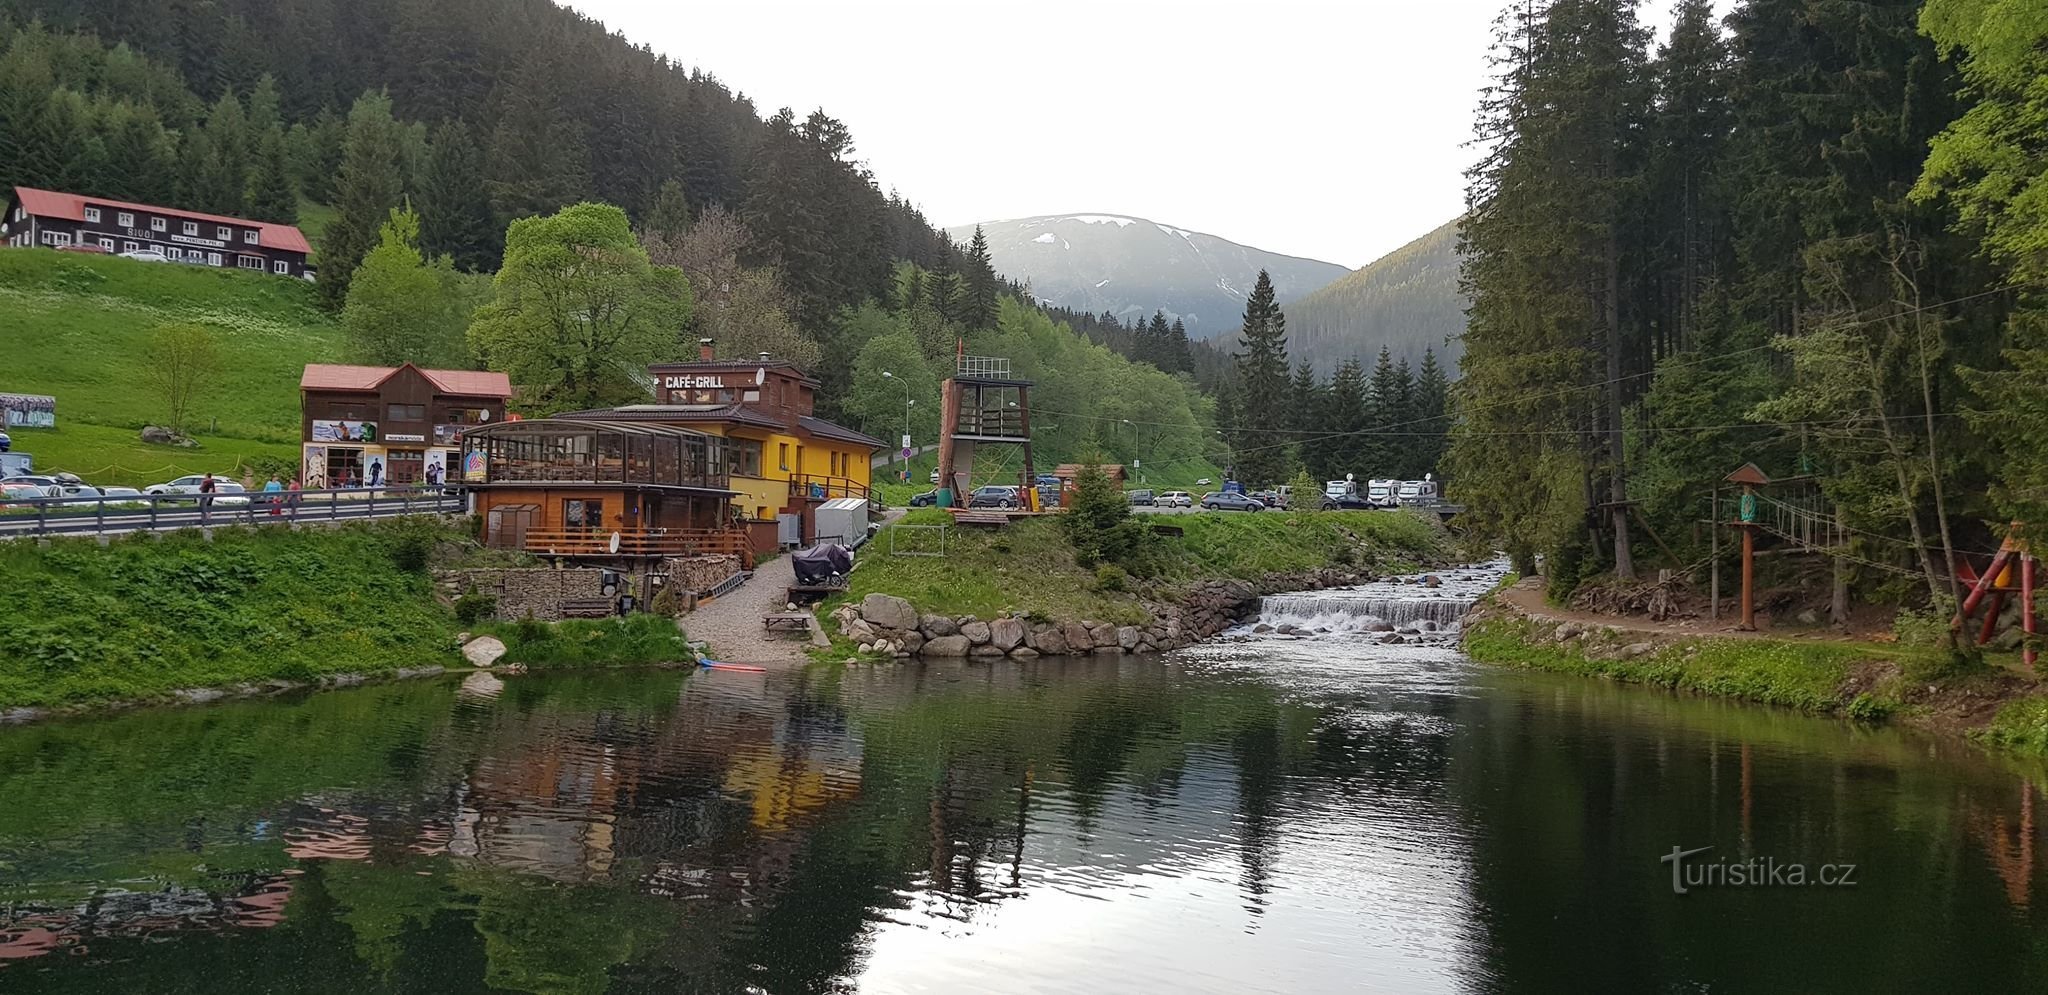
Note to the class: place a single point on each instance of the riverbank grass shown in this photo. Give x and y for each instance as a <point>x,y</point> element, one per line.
<point>1809,676</point>
<point>635,640</point>
<point>1029,565</point>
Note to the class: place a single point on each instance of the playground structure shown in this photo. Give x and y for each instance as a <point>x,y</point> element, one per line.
<point>982,404</point>
<point>2011,572</point>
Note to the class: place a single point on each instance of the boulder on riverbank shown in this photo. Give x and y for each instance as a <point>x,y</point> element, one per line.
<point>483,651</point>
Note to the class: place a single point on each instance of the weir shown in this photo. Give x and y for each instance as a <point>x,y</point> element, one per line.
<point>1441,599</point>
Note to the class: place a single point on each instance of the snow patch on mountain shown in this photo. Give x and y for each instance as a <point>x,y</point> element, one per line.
<point>1101,219</point>
<point>1048,238</point>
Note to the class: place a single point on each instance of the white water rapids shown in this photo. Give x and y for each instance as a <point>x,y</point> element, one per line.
<point>1399,609</point>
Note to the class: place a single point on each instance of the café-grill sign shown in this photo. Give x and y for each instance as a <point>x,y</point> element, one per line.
<point>688,380</point>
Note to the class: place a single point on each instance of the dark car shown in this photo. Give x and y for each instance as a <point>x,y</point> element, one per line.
<point>1271,499</point>
<point>1348,502</point>
<point>925,500</point>
<point>1140,498</point>
<point>996,496</point>
<point>1230,501</point>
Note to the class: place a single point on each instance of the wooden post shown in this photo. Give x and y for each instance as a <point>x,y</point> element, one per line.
<point>2027,608</point>
<point>1748,577</point>
<point>1714,574</point>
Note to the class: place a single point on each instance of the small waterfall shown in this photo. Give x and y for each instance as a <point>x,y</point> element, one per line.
<point>1431,607</point>
<point>1339,612</point>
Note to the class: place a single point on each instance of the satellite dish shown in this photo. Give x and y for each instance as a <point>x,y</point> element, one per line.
<point>615,543</point>
<point>760,376</point>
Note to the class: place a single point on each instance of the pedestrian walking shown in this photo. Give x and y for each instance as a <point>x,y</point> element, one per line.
<point>206,489</point>
<point>275,489</point>
<point>291,497</point>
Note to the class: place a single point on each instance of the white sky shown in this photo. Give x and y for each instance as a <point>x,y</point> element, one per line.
<point>1332,129</point>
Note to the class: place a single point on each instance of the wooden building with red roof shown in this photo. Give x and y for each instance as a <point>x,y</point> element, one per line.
<point>54,220</point>
<point>379,426</point>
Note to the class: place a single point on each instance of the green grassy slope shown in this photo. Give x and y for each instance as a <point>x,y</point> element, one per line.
<point>77,329</point>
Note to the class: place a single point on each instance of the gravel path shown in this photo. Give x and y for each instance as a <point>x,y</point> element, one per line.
<point>731,623</point>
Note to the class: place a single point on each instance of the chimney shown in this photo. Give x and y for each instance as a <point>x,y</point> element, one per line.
<point>764,357</point>
<point>704,351</point>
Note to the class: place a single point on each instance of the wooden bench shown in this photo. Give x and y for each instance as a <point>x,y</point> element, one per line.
<point>588,608</point>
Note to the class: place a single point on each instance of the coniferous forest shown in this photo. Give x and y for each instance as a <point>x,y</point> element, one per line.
<point>1809,239</point>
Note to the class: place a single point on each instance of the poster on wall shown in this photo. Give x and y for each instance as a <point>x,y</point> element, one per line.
<point>325,430</point>
<point>476,467</point>
<point>315,470</point>
<point>28,411</point>
<point>439,463</point>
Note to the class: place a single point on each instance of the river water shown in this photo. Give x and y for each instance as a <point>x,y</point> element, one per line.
<point>1274,812</point>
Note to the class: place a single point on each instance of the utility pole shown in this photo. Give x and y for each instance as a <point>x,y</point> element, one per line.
<point>907,402</point>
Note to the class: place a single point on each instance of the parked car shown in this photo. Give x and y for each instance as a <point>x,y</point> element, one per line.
<point>1347,502</point>
<point>225,492</point>
<point>121,495</point>
<point>50,486</point>
<point>1381,493</point>
<point>1271,499</point>
<point>1176,499</point>
<point>6,442</point>
<point>935,476</point>
<point>1230,501</point>
<point>996,496</point>
<point>146,256</point>
<point>925,500</point>
<point>1204,482</point>
<point>1140,498</point>
<point>80,491</point>
<point>20,496</point>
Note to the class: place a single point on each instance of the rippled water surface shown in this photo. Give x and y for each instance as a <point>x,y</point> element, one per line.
<point>1276,812</point>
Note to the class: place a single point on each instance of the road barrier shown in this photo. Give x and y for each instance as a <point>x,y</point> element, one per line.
<point>44,516</point>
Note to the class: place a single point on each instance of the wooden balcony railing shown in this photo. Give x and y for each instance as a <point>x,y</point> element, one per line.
<point>640,542</point>
<point>820,487</point>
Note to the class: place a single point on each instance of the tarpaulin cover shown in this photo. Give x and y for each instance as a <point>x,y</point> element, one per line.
<point>819,564</point>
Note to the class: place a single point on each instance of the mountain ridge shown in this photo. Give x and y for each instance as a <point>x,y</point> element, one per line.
<point>1128,267</point>
<point>1406,300</point>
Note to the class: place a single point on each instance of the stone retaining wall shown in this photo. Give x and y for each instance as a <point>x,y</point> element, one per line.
<point>540,591</point>
<point>888,624</point>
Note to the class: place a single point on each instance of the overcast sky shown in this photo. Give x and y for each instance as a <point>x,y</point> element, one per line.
<point>1333,129</point>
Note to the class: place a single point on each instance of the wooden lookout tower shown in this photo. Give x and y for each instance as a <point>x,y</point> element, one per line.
<point>983,405</point>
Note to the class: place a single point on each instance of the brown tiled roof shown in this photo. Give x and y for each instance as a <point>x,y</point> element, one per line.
<point>71,206</point>
<point>468,383</point>
<point>681,413</point>
<point>827,430</point>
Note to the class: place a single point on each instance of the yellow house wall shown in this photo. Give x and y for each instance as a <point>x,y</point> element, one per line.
<point>806,456</point>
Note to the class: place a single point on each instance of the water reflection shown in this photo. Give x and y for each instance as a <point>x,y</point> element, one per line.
<point>1318,812</point>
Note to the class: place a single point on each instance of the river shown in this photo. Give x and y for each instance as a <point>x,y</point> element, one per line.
<point>1273,812</point>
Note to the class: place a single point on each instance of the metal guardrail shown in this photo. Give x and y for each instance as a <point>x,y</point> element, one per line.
<point>40,516</point>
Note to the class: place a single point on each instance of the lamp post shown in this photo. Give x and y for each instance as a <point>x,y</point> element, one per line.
<point>907,402</point>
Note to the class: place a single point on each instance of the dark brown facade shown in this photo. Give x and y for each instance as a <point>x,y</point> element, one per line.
<point>54,220</point>
<point>365,426</point>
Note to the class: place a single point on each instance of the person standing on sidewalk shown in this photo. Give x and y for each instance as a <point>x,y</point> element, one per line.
<point>276,491</point>
<point>206,489</point>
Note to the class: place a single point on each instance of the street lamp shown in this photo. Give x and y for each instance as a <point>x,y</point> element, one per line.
<point>907,402</point>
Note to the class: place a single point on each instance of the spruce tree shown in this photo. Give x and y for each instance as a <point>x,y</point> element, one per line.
<point>224,172</point>
<point>1180,353</point>
<point>669,217</point>
<point>272,194</point>
<point>455,209</point>
<point>1261,381</point>
<point>982,283</point>
<point>1432,395</point>
<point>369,186</point>
<point>1158,342</point>
<point>1342,447</point>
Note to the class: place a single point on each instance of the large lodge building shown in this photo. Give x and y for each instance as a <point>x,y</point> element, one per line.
<point>55,220</point>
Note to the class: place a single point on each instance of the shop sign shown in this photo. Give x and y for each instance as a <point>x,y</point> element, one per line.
<point>344,431</point>
<point>196,240</point>
<point>405,437</point>
<point>688,380</point>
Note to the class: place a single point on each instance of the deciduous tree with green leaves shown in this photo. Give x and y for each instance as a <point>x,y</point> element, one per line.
<point>578,310</point>
<point>399,307</point>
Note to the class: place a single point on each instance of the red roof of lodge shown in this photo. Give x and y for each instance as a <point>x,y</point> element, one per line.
<point>469,383</point>
<point>71,206</point>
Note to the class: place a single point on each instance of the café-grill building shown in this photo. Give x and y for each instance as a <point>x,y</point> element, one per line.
<point>782,462</point>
